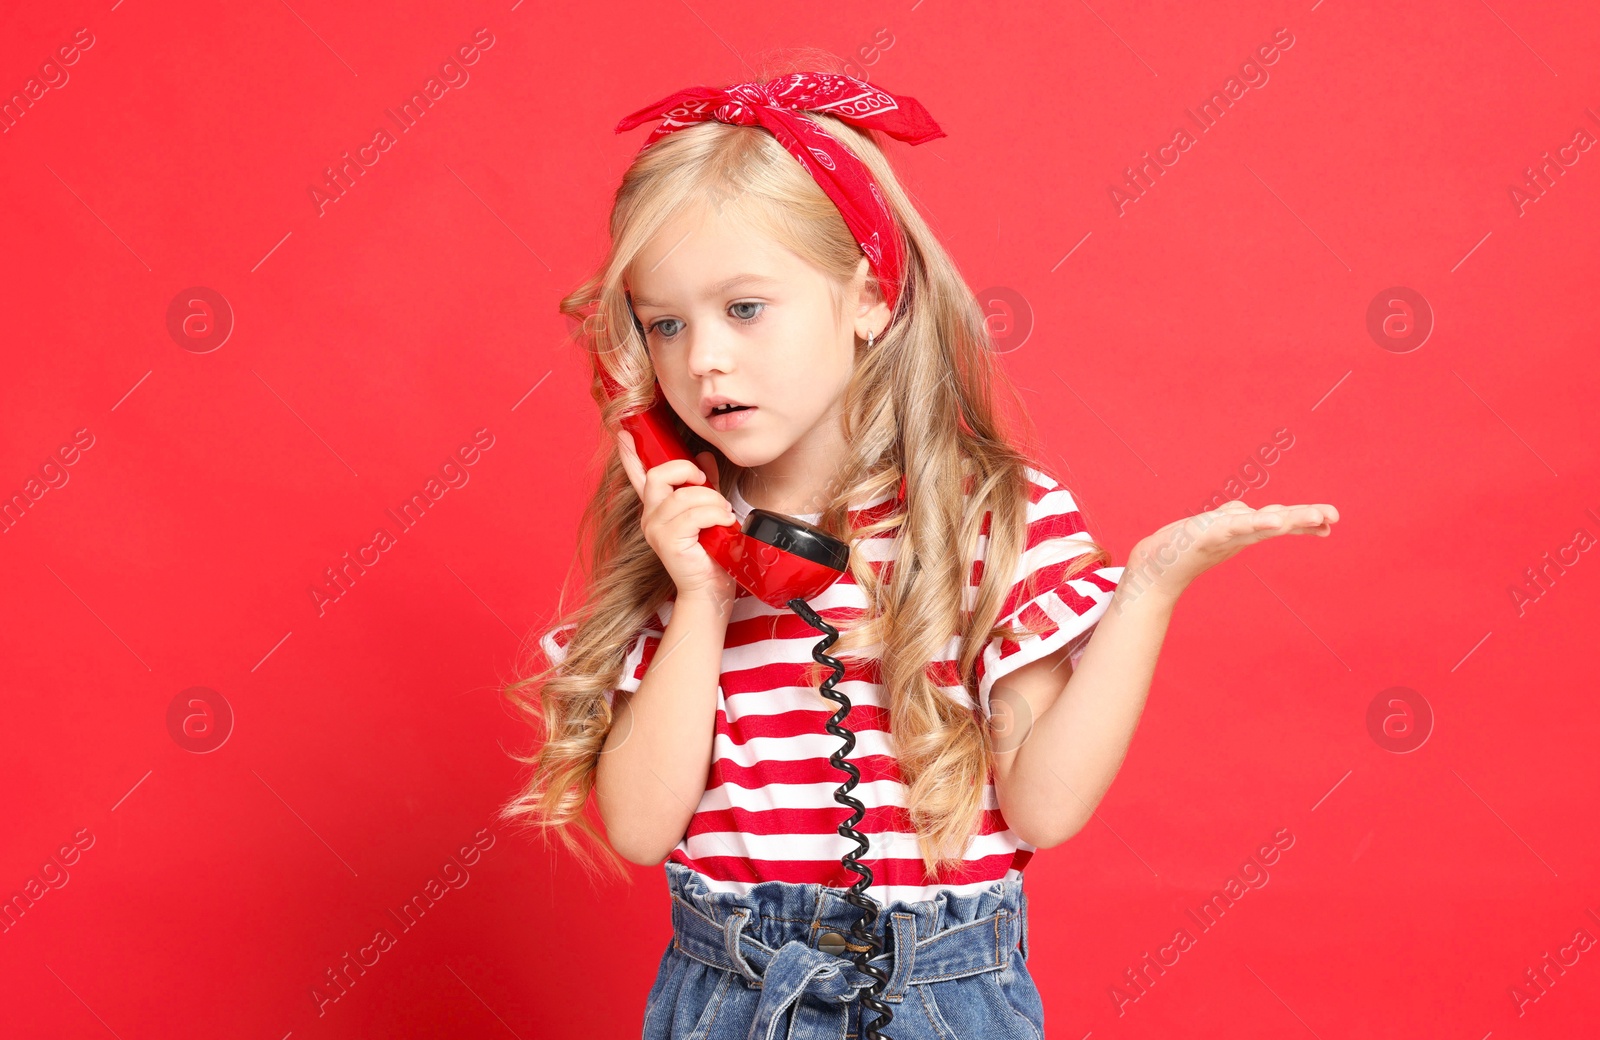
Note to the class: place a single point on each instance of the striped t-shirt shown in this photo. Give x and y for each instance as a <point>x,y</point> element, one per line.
<point>768,812</point>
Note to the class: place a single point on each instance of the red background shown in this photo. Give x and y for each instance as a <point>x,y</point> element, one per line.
<point>1169,341</point>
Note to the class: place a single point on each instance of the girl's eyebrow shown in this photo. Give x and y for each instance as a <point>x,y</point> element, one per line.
<point>715,290</point>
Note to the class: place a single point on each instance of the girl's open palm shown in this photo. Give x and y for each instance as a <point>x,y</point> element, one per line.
<point>1183,550</point>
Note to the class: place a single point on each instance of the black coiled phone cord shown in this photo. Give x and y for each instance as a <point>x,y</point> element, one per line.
<point>856,894</point>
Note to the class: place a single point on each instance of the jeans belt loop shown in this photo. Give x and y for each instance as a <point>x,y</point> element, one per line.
<point>732,931</point>
<point>905,956</point>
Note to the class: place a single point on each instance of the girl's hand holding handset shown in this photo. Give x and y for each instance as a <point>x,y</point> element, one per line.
<point>1178,553</point>
<point>674,516</point>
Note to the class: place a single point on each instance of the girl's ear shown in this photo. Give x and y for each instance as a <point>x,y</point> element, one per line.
<point>871,311</point>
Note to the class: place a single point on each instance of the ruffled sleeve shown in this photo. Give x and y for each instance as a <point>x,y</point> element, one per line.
<point>634,665</point>
<point>1062,611</point>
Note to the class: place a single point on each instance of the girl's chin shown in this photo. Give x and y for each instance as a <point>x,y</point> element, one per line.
<point>747,455</point>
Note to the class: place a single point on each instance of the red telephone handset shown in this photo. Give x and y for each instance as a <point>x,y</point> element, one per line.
<point>775,557</point>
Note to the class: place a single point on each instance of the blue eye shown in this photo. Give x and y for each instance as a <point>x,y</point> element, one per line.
<point>655,326</point>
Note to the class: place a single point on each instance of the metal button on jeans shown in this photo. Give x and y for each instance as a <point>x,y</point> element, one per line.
<point>832,942</point>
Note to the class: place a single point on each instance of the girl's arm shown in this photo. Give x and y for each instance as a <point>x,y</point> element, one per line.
<point>657,757</point>
<point>1057,750</point>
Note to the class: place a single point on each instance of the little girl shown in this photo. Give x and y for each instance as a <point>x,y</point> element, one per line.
<point>769,276</point>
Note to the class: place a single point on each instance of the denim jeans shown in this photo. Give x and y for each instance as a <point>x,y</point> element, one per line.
<point>751,967</point>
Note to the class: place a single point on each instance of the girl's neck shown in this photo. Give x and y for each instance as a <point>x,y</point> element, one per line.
<point>770,499</point>
<point>789,494</point>
<point>801,477</point>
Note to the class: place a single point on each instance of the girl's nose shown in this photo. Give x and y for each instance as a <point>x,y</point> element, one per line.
<point>709,351</point>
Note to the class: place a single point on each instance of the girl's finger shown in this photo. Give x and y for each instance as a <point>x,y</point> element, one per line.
<point>661,481</point>
<point>687,499</point>
<point>708,516</point>
<point>1311,516</point>
<point>1238,529</point>
<point>1296,519</point>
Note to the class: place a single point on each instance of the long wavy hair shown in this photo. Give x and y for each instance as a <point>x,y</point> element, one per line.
<point>922,404</point>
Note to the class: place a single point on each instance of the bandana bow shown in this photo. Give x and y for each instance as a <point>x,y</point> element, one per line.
<point>777,105</point>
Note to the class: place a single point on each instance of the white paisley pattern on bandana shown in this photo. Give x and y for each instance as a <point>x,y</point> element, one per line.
<point>778,106</point>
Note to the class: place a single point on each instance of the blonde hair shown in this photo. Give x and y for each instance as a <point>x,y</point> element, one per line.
<point>934,363</point>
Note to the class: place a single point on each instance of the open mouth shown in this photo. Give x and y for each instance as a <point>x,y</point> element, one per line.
<point>728,417</point>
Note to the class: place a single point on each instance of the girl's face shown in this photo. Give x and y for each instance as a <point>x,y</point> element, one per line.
<point>731,315</point>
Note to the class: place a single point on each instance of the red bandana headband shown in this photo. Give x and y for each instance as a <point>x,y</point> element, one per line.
<point>776,105</point>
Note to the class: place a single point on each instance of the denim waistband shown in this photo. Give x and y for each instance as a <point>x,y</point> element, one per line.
<point>770,937</point>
